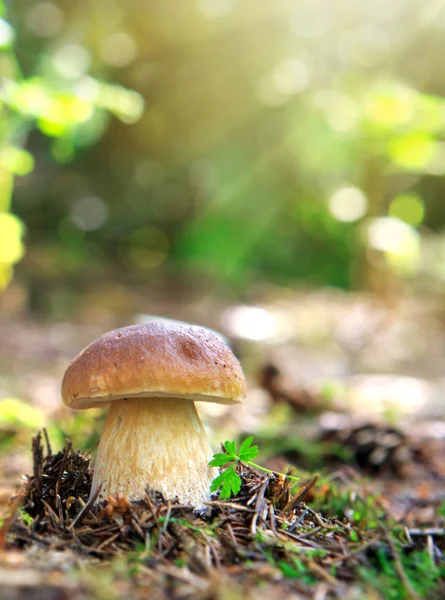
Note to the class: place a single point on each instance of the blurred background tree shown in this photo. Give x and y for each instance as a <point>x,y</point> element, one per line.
<point>287,142</point>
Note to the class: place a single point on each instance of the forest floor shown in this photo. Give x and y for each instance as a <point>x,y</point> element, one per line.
<point>345,390</point>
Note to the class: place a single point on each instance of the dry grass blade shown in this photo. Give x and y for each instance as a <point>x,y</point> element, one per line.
<point>88,506</point>
<point>412,594</point>
<point>299,498</point>
<point>66,453</point>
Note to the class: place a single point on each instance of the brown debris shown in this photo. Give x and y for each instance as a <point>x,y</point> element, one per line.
<point>11,514</point>
<point>380,449</point>
<point>300,399</point>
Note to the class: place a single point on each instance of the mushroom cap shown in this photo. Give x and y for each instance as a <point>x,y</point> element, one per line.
<point>157,359</point>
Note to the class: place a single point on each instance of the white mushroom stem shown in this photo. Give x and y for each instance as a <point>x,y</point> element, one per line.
<point>156,442</point>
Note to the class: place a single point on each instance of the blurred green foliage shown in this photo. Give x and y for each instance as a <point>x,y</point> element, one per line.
<point>72,117</point>
<point>282,141</point>
<point>422,573</point>
<point>16,413</point>
<point>83,430</point>
<point>19,420</point>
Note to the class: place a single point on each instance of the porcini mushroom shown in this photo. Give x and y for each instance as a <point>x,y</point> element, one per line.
<point>150,376</point>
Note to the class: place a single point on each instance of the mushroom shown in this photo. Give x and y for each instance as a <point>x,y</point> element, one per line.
<point>150,376</point>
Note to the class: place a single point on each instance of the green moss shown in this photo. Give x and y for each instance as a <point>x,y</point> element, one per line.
<point>423,575</point>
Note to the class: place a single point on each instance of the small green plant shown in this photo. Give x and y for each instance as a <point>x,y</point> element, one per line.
<point>25,517</point>
<point>358,509</point>
<point>296,570</point>
<point>229,481</point>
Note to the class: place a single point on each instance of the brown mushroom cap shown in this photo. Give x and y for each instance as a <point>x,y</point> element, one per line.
<point>158,359</point>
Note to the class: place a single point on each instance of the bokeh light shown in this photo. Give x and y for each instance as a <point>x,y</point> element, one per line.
<point>409,208</point>
<point>342,113</point>
<point>391,105</point>
<point>71,61</point>
<point>16,160</point>
<point>348,204</point>
<point>215,9</point>
<point>89,213</point>
<point>118,49</point>
<point>11,245</point>
<point>146,248</point>
<point>311,19</point>
<point>250,322</point>
<point>286,80</point>
<point>45,19</point>
<point>398,240</point>
<point>237,137</point>
<point>366,46</point>
<point>6,34</point>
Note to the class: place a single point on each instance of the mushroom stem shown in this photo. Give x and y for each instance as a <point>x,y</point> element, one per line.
<point>159,443</point>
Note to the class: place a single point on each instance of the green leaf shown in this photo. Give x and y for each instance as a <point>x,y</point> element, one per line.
<point>247,451</point>
<point>413,151</point>
<point>230,448</point>
<point>218,482</point>
<point>245,445</point>
<point>249,454</point>
<point>231,485</point>
<point>220,459</point>
<point>228,481</point>
<point>226,489</point>
<point>235,481</point>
